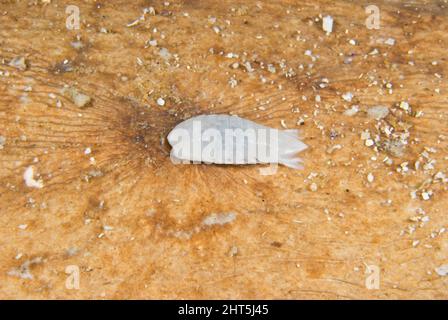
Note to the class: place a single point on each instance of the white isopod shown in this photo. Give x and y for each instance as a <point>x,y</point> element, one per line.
<point>225,139</point>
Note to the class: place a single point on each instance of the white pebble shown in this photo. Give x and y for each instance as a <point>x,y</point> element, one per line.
<point>28,176</point>
<point>347,96</point>
<point>352,111</point>
<point>378,112</point>
<point>390,41</point>
<point>442,270</point>
<point>404,105</point>
<point>327,24</point>
<point>426,196</point>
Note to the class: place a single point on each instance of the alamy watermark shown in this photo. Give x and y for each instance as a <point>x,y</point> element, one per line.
<point>373,277</point>
<point>73,278</point>
<point>72,21</point>
<point>225,146</point>
<point>373,20</point>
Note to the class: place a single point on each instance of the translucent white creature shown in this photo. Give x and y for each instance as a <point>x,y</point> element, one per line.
<point>225,139</point>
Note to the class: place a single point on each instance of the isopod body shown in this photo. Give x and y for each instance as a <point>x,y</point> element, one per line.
<point>229,139</point>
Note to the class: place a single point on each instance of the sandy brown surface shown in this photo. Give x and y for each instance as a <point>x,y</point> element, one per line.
<point>135,224</point>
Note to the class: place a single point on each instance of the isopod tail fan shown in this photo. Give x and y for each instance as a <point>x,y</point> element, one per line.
<point>289,145</point>
<point>291,162</point>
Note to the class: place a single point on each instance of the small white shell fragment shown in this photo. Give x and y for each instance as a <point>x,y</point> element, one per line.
<point>374,52</point>
<point>365,135</point>
<point>161,102</point>
<point>225,139</point>
<point>404,105</point>
<point>133,23</point>
<point>149,10</point>
<point>352,111</point>
<point>248,66</point>
<point>28,176</point>
<point>219,218</point>
<point>271,68</point>
<point>164,53</point>
<point>442,270</point>
<point>233,82</point>
<point>2,142</point>
<point>370,177</point>
<point>333,148</point>
<point>378,112</point>
<point>327,24</point>
<point>426,195</point>
<point>347,96</point>
<point>18,63</point>
<point>81,100</point>
<point>390,41</point>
